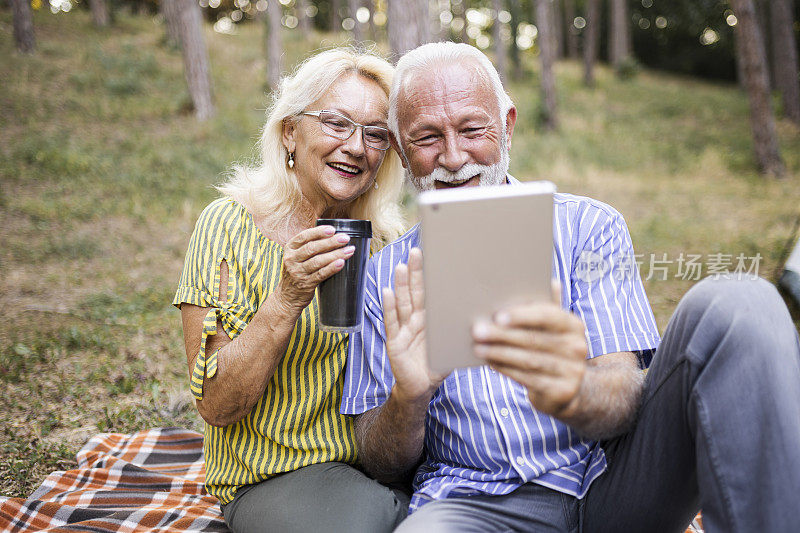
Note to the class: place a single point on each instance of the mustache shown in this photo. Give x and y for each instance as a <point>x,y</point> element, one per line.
<point>440,174</point>
<point>464,173</point>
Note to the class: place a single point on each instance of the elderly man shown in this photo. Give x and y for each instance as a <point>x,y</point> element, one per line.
<point>561,431</point>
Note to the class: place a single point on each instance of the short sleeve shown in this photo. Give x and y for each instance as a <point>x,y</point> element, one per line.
<point>209,245</point>
<point>606,288</point>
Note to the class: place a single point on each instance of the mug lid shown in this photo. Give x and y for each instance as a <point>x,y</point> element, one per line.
<point>357,228</point>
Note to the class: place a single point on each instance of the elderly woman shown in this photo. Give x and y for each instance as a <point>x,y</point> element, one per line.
<point>266,379</point>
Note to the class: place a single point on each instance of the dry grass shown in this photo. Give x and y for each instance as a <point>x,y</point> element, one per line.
<point>103,174</point>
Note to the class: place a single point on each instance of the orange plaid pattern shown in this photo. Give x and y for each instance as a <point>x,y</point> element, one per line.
<point>147,481</point>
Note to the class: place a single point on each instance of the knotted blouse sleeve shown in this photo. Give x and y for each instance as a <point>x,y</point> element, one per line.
<point>209,246</point>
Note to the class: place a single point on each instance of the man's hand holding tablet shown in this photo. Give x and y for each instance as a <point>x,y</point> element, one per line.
<point>489,307</point>
<point>525,336</point>
<point>538,345</point>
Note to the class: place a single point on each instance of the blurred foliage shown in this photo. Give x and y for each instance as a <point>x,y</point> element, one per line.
<point>693,37</point>
<point>687,36</point>
<point>628,68</point>
<point>103,173</point>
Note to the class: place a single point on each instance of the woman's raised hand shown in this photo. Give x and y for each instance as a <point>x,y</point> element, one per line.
<point>309,258</point>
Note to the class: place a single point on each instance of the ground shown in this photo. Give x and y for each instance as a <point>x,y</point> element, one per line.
<point>104,170</point>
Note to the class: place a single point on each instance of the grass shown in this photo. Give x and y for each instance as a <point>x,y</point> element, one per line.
<point>103,172</point>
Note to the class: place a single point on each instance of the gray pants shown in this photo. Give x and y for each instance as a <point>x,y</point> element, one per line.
<point>328,497</point>
<point>719,428</point>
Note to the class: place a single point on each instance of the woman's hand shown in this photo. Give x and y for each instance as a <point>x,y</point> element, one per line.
<point>309,258</point>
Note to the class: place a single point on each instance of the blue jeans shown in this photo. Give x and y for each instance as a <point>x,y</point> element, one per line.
<point>719,428</point>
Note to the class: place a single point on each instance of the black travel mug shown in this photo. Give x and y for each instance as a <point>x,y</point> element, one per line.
<point>341,296</point>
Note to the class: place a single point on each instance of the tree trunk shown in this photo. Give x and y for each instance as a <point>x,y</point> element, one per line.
<point>499,49</point>
<point>336,18</point>
<point>424,28</point>
<point>739,60</point>
<point>23,26</point>
<point>548,55</point>
<point>272,27</point>
<point>513,49</point>
<point>304,19</point>
<point>99,13</point>
<point>464,34</point>
<point>438,31</point>
<point>195,57</point>
<point>570,30</point>
<point>373,29</point>
<point>558,28</point>
<point>358,29</point>
<point>750,46</point>
<point>169,9</point>
<point>406,25</point>
<point>618,50</point>
<point>784,57</point>
<point>762,9</point>
<point>591,37</point>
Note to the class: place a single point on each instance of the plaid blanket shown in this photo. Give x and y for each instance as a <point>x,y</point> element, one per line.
<point>147,481</point>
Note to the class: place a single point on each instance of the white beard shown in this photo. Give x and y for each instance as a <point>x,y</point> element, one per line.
<point>489,174</point>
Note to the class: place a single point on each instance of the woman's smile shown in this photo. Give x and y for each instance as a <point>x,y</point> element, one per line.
<point>343,169</point>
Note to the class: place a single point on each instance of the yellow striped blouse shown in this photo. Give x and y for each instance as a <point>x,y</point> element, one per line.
<point>296,422</point>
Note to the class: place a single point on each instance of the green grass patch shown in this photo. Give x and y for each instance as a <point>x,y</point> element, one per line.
<point>104,173</point>
<point>24,464</point>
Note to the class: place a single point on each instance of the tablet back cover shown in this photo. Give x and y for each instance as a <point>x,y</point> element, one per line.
<point>484,248</point>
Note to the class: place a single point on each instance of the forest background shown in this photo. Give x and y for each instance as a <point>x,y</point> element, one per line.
<point>109,148</point>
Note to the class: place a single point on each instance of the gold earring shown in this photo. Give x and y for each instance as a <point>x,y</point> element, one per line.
<point>291,160</point>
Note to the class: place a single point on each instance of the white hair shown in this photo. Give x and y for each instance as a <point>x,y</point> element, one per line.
<point>270,188</point>
<point>432,55</point>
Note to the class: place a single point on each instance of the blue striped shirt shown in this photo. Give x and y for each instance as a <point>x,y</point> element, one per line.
<point>482,434</point>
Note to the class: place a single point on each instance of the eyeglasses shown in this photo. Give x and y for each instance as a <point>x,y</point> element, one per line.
<point>341,127</point>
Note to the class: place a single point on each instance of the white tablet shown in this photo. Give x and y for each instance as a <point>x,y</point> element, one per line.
<point>484,248</point>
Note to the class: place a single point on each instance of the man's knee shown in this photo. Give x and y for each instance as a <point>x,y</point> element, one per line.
<point>731,294</point>
<point>738,311</point>
<point>749,302</point>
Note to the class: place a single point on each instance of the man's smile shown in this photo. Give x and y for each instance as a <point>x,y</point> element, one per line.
<point>474,181</point>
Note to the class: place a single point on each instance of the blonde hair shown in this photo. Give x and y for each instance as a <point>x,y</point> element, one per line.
<point>270,189</point>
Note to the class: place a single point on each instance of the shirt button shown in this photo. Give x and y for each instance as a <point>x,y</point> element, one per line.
<point>520,461</point>
<point>504,411</point>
